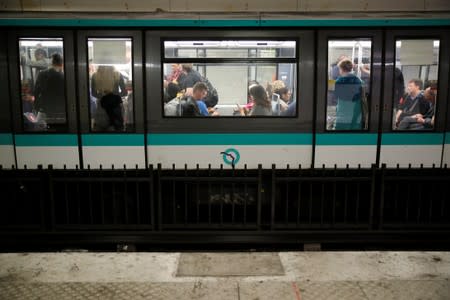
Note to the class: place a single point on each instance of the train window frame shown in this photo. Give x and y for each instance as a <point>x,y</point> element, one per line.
<point>137,74</point>
<point>203,63</point>
<point>343,39</point>
<point>66,36</point>
<point>415,38</point>
<point>323,37</point>
<point>442,113</point>
<point>302,122</point>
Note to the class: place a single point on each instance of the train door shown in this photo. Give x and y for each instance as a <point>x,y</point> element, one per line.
<point>416,92</point>
<point>348,98</point>
<point>7,157</point>
<point>111,106</point>
<point>42,85</point>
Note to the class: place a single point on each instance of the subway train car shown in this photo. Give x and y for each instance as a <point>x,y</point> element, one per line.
<point>293,54</point>
<point>234,128</point>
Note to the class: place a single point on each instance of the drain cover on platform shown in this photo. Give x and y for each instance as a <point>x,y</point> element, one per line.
<point>230,264</point>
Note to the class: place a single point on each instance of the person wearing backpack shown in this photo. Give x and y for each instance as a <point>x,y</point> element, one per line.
<point>192,77</point>
<point>108,86</point>
<point>194,105</point>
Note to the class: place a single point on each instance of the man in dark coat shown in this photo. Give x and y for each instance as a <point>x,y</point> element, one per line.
<point>49,91</point>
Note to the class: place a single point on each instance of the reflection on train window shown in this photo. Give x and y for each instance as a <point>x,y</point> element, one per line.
<point>246,78</point>
<point>110,84</point>
<point>349,81</point>
<point>415,84</point>
<point>42,83</point>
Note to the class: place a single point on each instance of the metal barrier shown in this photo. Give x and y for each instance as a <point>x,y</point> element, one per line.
<point>414,198</point>
<point>158,205</point>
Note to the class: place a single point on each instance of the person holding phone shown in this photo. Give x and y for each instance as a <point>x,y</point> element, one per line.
<point>261,106</point>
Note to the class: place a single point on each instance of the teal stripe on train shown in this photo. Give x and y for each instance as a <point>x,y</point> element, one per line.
<point>356,22</point>
<point>346,139</point>
<point>178,139</point>
<point>222,23</point>
<point>46,140</point>
<point>113,139</point>
<point>447,137</point>
<point>6,139</point>
<point>391,139</point>
<point>128,23</point>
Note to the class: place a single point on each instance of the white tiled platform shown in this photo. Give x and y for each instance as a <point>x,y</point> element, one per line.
<point>303,275</point>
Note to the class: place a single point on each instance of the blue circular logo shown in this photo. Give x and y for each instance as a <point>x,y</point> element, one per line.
<point>231,156</point>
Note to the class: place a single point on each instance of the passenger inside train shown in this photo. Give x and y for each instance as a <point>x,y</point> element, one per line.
<point>417,112</point>
<point>228,82</point>
<point>42,84</point>
<point>417,62</point>
<point>49,91</point>
<point>349,92</point>
<point>110,84</point>
<point>349,82</point>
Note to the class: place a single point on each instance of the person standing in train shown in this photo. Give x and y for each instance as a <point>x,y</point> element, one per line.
<point>49,91</point>
<point>176,74</point>
<point>40,62</point>
<point>106,81</point>
<point>349,92</point>
<point>190,79</point>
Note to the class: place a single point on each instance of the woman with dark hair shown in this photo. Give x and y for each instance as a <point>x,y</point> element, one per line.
<point>349,92</point>
<point>262,105</point>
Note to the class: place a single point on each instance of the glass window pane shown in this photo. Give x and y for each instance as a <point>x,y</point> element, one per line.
<point>111,84</point>
<point>349,81</point>
<point>233,90</point>
<point>415,84</point>
<point>229,49</point>
<point>42,84</point>
<point>229,91</point>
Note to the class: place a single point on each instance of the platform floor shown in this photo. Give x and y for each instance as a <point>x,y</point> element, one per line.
<point>231,275</point>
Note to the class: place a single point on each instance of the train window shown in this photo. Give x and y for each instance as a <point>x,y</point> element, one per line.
<point>415,84</point>
<point>110,84</point>
<point>349,81</point>
<point>43,84</point>
<point>230,78</point>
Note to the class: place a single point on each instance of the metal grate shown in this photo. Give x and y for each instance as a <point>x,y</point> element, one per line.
<point>207,199</point>
<point>416,198</point>
<point>102,199</point>
<point>263,205</point>
<point>322,198</point>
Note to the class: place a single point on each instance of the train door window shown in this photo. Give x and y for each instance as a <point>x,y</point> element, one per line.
<point>349,82</point>
<point>415,84</point>
<point>230,78</point>
<point>110,84</point>
<point>42,84</point>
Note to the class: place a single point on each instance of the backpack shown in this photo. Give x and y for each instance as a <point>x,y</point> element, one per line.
<point>212,98</point>
<point>188,108</point>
